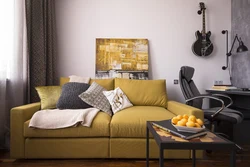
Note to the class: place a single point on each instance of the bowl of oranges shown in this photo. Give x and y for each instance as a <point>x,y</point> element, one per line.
<point>187,123</point>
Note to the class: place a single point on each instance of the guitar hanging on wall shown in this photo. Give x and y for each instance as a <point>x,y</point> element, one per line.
<point>202,46</point>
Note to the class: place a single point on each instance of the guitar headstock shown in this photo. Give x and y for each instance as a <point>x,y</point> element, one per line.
<point>202,6</point>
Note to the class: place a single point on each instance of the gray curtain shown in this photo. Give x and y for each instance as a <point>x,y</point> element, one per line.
<point>41,32</point>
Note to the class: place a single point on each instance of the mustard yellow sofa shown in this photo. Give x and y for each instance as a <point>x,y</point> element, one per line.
<point>120,136</point>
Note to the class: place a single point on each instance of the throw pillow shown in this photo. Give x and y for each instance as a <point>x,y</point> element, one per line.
<point>69,98</point>
<point>74,78</point>
<point>117,99</point>
<point>94,97</point>
<point>49,96</point>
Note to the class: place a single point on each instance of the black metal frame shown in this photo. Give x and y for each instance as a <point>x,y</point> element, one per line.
<point>230,52</point>
<point>209,97</point>
<point>228,145</point>
<point>214,97</point>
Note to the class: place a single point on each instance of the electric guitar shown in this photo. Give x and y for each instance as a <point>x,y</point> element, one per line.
<point>202,46</point>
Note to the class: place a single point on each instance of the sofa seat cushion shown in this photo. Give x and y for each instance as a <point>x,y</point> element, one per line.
<point>99,128</point>
<point>131,122</point>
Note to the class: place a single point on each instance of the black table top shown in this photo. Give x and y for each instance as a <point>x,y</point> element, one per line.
<point>169,141</point>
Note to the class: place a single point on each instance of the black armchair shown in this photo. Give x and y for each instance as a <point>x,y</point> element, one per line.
<point>195,99</point>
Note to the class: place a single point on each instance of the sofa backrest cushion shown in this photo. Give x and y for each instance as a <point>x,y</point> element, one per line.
<point>64,80</point>
<point>106,83</point>
<point>144,92</point>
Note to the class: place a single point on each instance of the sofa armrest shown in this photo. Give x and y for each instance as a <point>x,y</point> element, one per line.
<point>180,109</point>
<point>18,116</point>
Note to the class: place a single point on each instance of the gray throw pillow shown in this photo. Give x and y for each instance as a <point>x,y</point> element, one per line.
<point>69,98</point>
<point>94,96</point>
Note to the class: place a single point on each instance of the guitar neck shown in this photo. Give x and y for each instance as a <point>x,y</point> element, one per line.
<point>203,23</point>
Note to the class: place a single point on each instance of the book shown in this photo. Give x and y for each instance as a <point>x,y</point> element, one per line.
<point>223,87</point>
<point>167,126</point>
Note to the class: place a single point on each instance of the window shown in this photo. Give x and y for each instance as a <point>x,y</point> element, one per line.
<point>6,35</point>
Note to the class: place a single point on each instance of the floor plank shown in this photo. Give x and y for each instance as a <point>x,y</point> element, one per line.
<point>215,159</point>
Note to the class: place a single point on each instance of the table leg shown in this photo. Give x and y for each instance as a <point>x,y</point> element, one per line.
<point>161,158</point>
<point>193,158</point>
<point>233,159</point>
<point>147,147</point>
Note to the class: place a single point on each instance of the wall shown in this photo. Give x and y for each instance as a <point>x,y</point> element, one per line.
<point>169,25</point>
<point>241,26</point>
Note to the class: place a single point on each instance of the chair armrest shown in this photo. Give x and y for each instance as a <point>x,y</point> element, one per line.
<point>181,109</point>
<point>210,97</point>
<point>221,95</point>
<point>18,116</point>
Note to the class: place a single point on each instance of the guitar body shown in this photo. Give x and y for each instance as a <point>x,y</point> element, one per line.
<point>202,46</point>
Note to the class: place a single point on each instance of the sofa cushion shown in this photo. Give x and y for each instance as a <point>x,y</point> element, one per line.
<point>131,122</point>
<point>106,83</point>
<point>70,99</point>
<point>117,99</point>
<point>144,92</point>
<point>64,80</point>
<point>99,128</point>
<point>94,96</point>
<point>49,96</point>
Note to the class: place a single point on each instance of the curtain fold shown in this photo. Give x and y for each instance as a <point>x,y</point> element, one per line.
<point>41,32</point>
<point>3,113</point>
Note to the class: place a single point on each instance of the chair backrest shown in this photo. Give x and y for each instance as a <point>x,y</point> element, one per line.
<point>188,86</point>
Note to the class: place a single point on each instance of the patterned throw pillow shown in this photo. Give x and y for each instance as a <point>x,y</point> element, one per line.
<point>49,96</point>
<point>117,99</point>
<point>69,98</point>
<point>94,97</point>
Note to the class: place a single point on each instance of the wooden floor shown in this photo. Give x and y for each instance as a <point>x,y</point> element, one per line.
<point>218,159</point>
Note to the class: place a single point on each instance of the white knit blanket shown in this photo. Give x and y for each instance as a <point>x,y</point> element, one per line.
<point>55,119</point>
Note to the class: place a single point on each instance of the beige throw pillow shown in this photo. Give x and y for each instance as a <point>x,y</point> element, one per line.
<point>117,99</point>
<point>75,78</point>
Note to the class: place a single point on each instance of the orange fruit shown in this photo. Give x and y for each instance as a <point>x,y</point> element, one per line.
<point>175,120</point>
<point>184,120</point>
<point>181,123</point>
<point>190,124</point>
<point>197,125</point>
<point>179,117</point>
<point>185,116</point>
<point>192,118</point>
<point>199,121</point>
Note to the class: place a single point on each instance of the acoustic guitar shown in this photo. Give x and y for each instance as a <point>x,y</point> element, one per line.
<point>202,46</point>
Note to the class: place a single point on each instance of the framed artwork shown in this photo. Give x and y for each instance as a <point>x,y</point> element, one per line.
<point>121,58</point>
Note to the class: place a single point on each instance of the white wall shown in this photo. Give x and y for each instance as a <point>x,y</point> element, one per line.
<point>169,25</point>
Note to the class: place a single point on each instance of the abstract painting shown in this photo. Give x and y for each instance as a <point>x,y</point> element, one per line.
<point>121,58</point>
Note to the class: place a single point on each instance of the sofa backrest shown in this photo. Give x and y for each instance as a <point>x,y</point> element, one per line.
<point>106,83</point>
<point>144,92</point>
<point>64,80</point>
<point>139,92</point>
